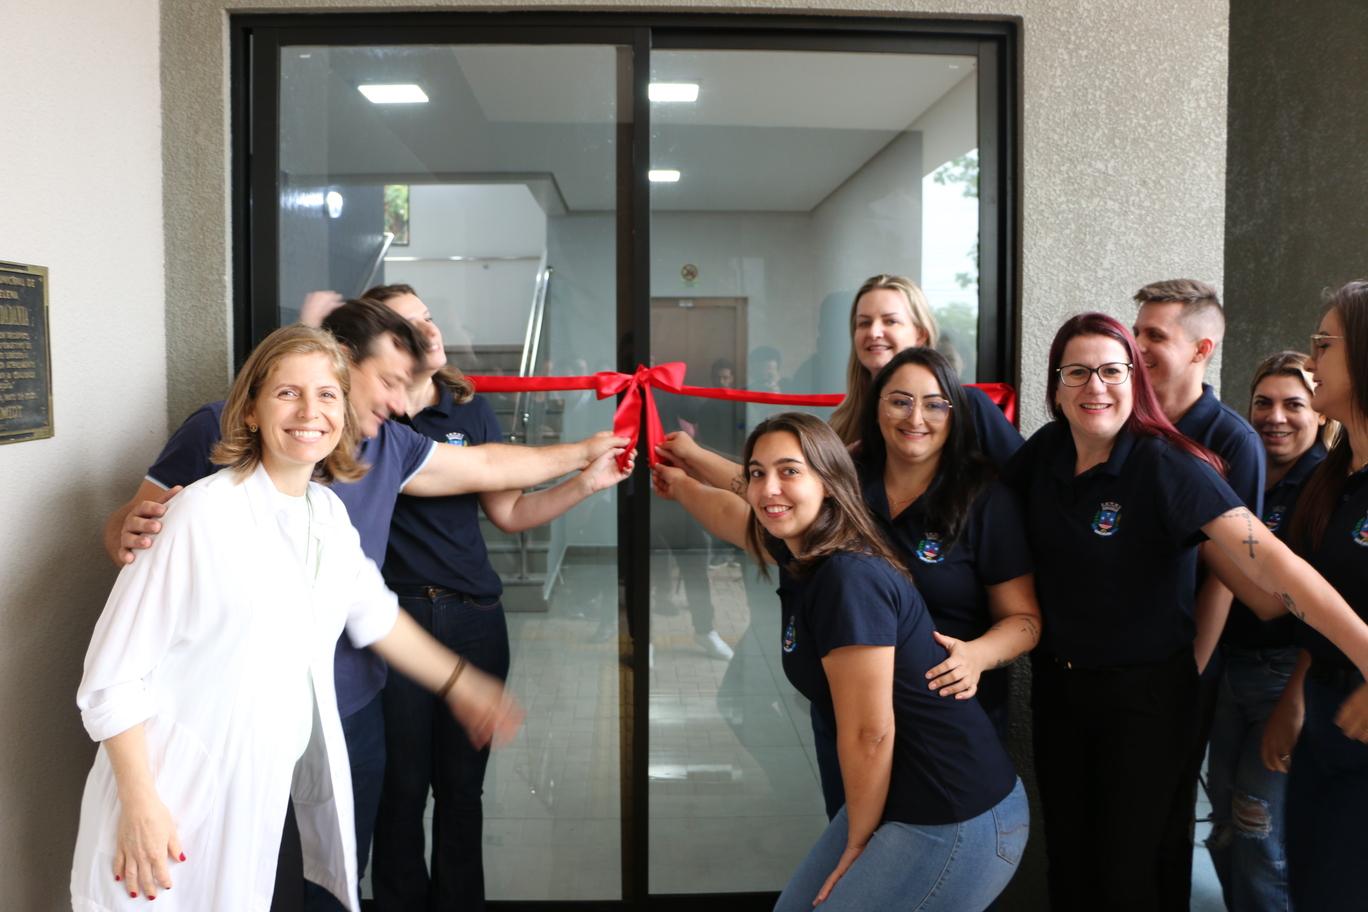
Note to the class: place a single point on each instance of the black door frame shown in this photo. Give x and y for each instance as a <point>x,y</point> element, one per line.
<point>255,44</point>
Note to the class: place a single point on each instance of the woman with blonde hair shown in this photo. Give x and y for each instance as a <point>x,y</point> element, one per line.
<point>888,314</point>
<point>209,677</point>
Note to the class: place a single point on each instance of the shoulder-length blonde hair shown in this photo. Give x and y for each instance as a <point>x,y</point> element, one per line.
<point>844,522</point>
<point>462,387</point>
<point>846,419</point>
<point>240,449</point>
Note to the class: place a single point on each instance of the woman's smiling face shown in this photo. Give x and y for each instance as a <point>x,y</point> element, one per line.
<point>914,415</point>
<point>782,489</point>
<point>1095,410</point>
<point>883,327</point>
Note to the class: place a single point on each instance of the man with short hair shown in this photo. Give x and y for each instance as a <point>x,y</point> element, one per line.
<point>1178,328</point>
<point>383,349</point>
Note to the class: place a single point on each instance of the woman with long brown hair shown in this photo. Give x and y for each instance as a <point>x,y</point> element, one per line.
<point>935,817</point>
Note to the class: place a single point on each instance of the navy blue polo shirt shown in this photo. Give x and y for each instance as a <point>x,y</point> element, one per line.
<point>1226,433</point>
<point>1116,548</point>
<point>948,763</point>
<point>437,540</point>
<point>1342,559</point>
<point>952,577</point>
<point>1244,628</point>
<point>997,439</point>
<point>394,455</point>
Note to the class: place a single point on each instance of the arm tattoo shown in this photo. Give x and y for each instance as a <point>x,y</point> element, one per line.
<point>1291,606</point>
<point>1249,538</point>
<point>738,485</point>
<point>1031,629</point>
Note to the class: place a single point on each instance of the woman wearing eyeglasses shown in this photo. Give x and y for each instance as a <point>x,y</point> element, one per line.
<point>961,532</point>
<point>1116,502</point>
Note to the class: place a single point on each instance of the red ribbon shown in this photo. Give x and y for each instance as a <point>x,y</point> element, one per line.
<point>636,391</point>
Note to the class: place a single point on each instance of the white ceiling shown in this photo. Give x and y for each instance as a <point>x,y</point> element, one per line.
<point>771,131</point>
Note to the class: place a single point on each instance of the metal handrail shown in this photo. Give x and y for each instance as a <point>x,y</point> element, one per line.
<point>536,318</point>
<point>386,239</point>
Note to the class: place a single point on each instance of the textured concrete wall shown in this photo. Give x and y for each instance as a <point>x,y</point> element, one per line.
<point>1295,218</point>
<point>81,160</point>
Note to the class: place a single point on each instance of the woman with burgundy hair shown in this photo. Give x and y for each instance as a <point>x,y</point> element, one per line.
<point>1116,503</point>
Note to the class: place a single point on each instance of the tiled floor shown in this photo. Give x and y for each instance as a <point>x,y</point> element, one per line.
<point>734,795</point>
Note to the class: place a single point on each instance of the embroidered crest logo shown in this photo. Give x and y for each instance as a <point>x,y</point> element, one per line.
<point>929,549</point>
<point>1361,532</point>
<point>791,635</point>
<point>457,438</point>
<point>1273,517</point>
<point>1106,519</point>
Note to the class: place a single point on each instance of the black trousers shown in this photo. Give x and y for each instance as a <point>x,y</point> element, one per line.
<point>1111,747</point>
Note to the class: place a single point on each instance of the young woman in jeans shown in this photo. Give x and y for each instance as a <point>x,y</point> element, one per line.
<point>935,817</point>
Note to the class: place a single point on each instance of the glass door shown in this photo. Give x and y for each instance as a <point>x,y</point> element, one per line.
<point>573,193</point>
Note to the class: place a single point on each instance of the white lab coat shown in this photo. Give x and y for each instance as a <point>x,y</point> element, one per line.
<point>220,641</point>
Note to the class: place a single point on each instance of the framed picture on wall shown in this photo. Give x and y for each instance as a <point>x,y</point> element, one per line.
<point>397,213</point>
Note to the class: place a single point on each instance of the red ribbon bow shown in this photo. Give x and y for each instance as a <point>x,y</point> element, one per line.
<point>636,391</point>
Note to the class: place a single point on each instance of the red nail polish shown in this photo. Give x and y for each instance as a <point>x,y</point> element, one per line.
<point>132,895</point>
<point>117,878</point>
<point>182,856</point>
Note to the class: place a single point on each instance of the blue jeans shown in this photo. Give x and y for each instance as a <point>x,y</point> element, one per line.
<point>1247,843</point>
<point>364,731</point>
<point>436,752</point>
<point>1327,804</point>
<point>957,867</point>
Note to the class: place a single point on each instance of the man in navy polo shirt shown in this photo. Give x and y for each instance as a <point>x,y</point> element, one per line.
<point>1178,327</point>
<point>383,350</point>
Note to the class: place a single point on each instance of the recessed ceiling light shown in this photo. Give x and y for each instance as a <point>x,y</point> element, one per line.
<point>406,93</point>
<point>662,175</point>
<point>673,91</point>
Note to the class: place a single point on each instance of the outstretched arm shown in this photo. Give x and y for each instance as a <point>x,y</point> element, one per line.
<point>713,469</point>
<point>1268,563</point>
<point>721,512</point>
<point>487,712</point>
<point>504,467</point>
<point>515,511</point>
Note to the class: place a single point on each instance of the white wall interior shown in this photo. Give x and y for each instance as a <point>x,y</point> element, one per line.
<point>83,197</point>
<point>498,232</point>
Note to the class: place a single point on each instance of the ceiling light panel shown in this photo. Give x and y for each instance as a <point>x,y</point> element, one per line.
<point>673,92</point>
<point>401,93</point>
<point>662,175</point>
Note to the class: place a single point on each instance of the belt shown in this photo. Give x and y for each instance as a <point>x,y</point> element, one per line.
<point>434,592</point>
<point>1335,675</point>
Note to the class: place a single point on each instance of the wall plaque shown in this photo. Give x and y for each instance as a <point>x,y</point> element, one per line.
<point>25,356</point>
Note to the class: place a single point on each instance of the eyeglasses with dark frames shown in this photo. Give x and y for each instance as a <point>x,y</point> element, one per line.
<point>1113,373</point>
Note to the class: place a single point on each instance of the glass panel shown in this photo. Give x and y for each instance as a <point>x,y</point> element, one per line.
<point>791,178</point>
<point>499,194</point>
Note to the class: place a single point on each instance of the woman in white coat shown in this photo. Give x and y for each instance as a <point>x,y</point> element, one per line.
<point>209,678</point>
